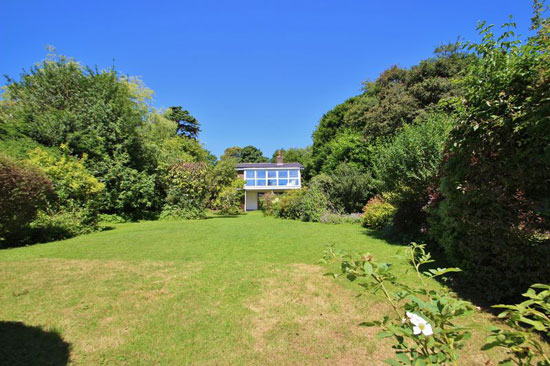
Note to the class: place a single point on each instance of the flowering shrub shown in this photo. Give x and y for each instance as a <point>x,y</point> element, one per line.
<point>423,322</point>
<point>377,213</point>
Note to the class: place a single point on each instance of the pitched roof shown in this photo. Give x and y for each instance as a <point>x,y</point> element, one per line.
<point>268,165</point>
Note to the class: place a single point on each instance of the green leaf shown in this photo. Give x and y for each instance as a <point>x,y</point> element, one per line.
<point>384,334</point>
<point>370,324</point>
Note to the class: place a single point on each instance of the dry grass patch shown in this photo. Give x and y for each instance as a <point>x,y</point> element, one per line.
<point>94,304</point>
<point>304,318</point>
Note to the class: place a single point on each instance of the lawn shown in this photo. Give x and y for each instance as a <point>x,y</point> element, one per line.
<point>240,290</point>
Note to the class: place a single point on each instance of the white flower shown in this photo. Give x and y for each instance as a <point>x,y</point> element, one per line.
<point>420,325</point>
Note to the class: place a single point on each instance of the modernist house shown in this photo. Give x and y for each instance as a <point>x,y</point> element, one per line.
<point>268,177</point>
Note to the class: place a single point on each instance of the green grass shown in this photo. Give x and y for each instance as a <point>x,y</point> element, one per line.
<point>240,290</point>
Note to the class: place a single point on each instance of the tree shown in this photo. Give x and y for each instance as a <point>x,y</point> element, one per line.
<point>494,213</point>
<point>232,153</point>
<point>188,125</point>
<point>251,154</point>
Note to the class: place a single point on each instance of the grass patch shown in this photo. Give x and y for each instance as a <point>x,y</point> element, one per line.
<point>223,291</point>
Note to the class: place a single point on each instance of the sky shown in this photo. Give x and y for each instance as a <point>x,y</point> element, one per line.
<point>258,73</point>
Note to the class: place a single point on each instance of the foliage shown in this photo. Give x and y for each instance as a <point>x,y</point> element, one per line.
<point>378,214</point>
<point>187,191</point>
<point>398,97</point>
<point>347,188</point>
<point>93,112</point>
<point>230,198</point>
<point>290,204</point>
<point>247,154</point>
<point>338,218</point>
<point>494,216</point>
<point>350,188</point>
<point>314,203</point>
<point>73,184</point>
<point>423,325</point>
<point>129,192</point>
<point>165,147</point>
<point>221,176</point>
<point>408,167</point>
<point>297,155</point>
<point>251,154</point>
<point>306,204</point>
<point>527,322</point>
<point>187,125</point>
<point>60,224</point>
<point>269,203</point>
<point>24,191</point>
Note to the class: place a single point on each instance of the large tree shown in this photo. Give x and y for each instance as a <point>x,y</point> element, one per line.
<point>188,125</point>
<point>251,154</point>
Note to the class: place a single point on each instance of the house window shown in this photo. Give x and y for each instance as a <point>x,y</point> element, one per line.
<point>272,178</point>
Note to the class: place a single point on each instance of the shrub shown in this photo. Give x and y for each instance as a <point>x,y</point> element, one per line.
<point>187,191</point>
<point>290,205</point>
<point>229,200</point>
<point>338,218</point>
<point>269,204</point>
<point>408,167</point>
<point>347,188</point>
<point>78,191</point>
<point>494,217</point>
<point>57,225</point>
<point>378,214</point>
<point>128,192</point>
<point>314,203</point>
<point>23,192</point>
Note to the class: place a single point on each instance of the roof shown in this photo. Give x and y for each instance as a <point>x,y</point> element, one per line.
<point>268,165</point>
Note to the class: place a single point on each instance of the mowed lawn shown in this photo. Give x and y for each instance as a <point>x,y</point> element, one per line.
<point>240,290</point>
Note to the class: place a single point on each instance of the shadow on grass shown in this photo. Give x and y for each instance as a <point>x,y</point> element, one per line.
<point>24,345</point>
<point>457,282</point>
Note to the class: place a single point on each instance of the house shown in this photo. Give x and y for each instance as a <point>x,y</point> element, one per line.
<point>261,178</point>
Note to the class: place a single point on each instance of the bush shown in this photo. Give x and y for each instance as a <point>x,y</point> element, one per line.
<point>314,203</point>
<point>230,198</point>
<point>60,225</point>
<point>408,167</point>
<point>347,188</point>
<point>128,192</point>
<point>78,192</point>
<point>378,214</point>
<point>304,204</point>
<point>290,205</point>
<point>23,192</point>
<point>269,204</point>
<point>337,218</point>
<point>494,217</point>
<point>187,191</point>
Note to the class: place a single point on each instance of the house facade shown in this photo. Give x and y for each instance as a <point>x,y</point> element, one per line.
<point>260,178</point>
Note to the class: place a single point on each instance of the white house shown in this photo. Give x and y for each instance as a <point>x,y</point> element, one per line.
<point>260,178</point>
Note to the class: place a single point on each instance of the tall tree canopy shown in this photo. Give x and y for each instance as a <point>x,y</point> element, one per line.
<point>188,125</point>
<point>399,96</point>
<point>247,154</point>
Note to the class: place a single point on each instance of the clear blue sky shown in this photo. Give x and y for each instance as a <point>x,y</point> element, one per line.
<point>253,72</point>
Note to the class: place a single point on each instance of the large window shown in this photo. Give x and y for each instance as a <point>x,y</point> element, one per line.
<point>273,178</point>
